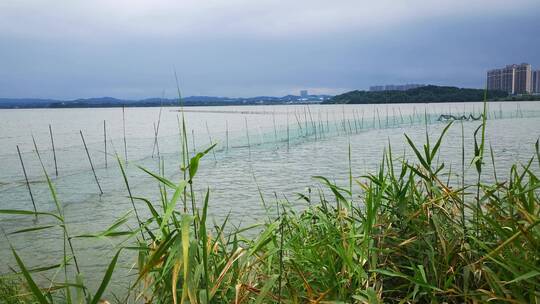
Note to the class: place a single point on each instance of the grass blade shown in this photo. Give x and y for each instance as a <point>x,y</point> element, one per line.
<point>106,279</point>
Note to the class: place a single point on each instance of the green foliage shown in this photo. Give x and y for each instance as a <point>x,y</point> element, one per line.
<point>400,235</point>
<point>424,94</point>
<point>12,291</point>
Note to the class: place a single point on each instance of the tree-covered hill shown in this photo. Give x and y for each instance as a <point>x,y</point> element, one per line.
<point>426,94</point>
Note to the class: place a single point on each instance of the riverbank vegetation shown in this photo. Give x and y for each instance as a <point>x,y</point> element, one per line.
<point>411,232</point>
<point>425,94</point>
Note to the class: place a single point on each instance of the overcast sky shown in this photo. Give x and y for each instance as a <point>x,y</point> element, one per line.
<point>129,49</point>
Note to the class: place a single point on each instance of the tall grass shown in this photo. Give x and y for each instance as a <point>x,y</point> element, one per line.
<point>396,235</point>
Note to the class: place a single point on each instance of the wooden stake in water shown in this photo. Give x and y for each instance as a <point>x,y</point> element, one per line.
<point>343,120</point>
<point>227,133</point>
<point>105,142</point>
<point>327,122</point>
<point>156,143</point>
<point>298,122</point>
<point>386,116</point>
<point>26,179</point>
<point>193,141</point>
<point>312,122</point>
<point>247,136</point>
<point>54,151</point>
<point>320,124</point>
<point>210,139</point>
<point>261,137</point>
<point>90,161</point>
<point>373,122</point>
<point>287,130</point>
<point>355,121</point>
<point>124,129</point>
<point>305,121</point>
<point>274,122</point>
<point>156,132</point>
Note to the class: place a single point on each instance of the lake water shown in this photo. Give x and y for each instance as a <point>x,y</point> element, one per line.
<point>276,148</point>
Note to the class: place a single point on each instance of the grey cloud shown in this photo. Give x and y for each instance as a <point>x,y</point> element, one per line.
<point>236,48</point>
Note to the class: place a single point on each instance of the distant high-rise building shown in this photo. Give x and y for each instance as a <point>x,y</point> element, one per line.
<point>304,93</point>
<point>508,79</point>
<point>513,79</point>
<point>523,79</point>
<point>494,80</point>
<point>535,85</point>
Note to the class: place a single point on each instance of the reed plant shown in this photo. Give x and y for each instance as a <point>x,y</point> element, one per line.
<point>402,234</point>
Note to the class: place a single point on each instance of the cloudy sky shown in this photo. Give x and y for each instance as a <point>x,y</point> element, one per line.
<point>129,49</point>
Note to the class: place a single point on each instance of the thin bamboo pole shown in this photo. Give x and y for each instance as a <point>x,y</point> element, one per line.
<point>312,122</point>
<point>193,141</point>
<point>274,122</point>
<point>53,150</point>
<point>299,123</point>
<point>156,143</point>
<point>355,122</point>
<point>156,131</point>
<point>288,130</point>
<point>210,139</point>
<point>227,133</point>
<point>247,136</point>
<point>26,179</point>
<point>105,142</point>
<point>90,161</point>
<point>327,122</point>
<point>305,122</point>
<point>124,130</point>
<point>386,116</point>
<point>373,123</point>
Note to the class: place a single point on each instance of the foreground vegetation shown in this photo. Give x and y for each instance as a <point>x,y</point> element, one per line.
<point>425,94</point>
<point>411,232</point>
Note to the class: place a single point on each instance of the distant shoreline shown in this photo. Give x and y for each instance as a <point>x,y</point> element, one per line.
<point>231,105</point>
<point>145,106</point>
<point>422,95</point>
<point>191,101</point>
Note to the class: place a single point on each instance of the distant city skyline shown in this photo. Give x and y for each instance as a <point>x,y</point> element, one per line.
<point>514,79</point>
<point>236,48</point>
